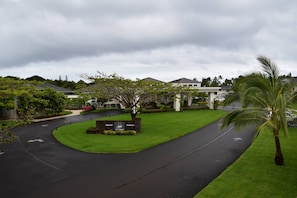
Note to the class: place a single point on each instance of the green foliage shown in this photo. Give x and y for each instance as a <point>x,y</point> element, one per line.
<point>55,101</point>
<point>27,99</point>
<point>261,94</point>
<point>8,124</point>
<point>216,82</point>
<point>119,132</point>
<point>157,110</point>
<point>132,93</point>
<point>156,128</point>
<point>32,102</point>
<point>29,103</point>
<point>60,83</point>
<point>264,98</point>
<point>9,88</point>
<point>6,136</point>
<point>75,103</point>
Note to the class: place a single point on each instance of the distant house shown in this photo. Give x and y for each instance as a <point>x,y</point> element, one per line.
<point>186,82</point>
<point>67,92</point>
<point>149,79</point>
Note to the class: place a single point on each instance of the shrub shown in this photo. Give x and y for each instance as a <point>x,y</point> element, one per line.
<point>88,108</point>
<point>157,110</point>
<point>202,103</point>
<point>93,130</point>
<point>6,136</point>
<point>119,132</point>
<point>196,108</point>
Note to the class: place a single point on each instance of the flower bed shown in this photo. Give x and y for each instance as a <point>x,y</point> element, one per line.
<point>119,132</point>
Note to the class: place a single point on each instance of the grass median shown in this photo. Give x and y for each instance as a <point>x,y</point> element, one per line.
<point>254,174</point>
<point>157,128</point>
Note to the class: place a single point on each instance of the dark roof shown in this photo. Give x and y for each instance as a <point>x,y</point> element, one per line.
<point>184,80</point>
<point>59,89</point>
<point>151,79</point>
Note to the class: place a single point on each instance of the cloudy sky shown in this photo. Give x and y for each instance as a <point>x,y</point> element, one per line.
<point>163,39</point>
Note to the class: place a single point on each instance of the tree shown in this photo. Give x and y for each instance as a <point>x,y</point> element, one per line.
<point>8,91</point>
<point>205,82</point>
<point>228,82</point>
<point>216,81</point>
<point>208,82</point>
<point>130,93</point>
<point>55,101</point>
<point>10,88</point>
<point>30,103</point>
<point>264,98</point>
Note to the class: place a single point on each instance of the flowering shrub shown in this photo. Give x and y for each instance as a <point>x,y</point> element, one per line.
<point>119,132</point>
<point>88,108</point>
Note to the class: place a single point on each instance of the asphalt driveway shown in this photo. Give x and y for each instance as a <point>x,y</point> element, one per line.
<point>38,166</point>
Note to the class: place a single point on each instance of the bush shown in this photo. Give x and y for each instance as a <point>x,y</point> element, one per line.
<point>92,130</point>
<point>156,110</point>
<point>119,132</point>
<point>88,108</point>
<point>6,136</point>
<point>202,103</point>
<point>196,108</point>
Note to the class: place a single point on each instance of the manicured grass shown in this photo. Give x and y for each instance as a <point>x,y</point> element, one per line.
<point>254,173</point>
<point>157,128</point>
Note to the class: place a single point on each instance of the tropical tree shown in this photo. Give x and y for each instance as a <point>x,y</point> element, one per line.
<point>130,93</point>
<point>228,82</point>
<point>127,92</point>
<point>216,81</point>
<point>55,101</point>
<point>264,98</point>
<point>206,82</point>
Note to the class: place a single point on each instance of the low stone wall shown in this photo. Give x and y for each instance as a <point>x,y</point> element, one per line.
<point>116,125</point>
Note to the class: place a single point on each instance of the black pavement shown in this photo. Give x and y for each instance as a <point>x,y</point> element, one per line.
<point>38,166</point>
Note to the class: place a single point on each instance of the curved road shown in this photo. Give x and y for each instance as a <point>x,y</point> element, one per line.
<point>38,166</point>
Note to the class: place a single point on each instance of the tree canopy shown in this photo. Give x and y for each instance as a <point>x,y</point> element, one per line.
<point>130,93</point>
<point>264,97</point>
<point>28,99</point>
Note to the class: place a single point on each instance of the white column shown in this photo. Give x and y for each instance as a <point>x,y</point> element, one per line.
<point>176,104</point>
<point>190,100</point>
<point>211,97</point>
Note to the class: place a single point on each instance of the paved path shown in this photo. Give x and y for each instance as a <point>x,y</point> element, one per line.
<point>73,113</point>
<point>38,166</point>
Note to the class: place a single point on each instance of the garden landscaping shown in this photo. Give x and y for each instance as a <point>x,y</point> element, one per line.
<point>254,174</point>
<point>157,128</point>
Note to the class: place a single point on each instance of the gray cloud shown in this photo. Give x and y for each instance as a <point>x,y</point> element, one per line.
<point>145,38</point>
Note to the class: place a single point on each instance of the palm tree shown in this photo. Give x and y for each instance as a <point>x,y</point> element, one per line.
<point>264,98</point>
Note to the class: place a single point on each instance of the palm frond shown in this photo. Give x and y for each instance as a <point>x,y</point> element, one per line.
<point>269,67</point>
<point>244,117</point>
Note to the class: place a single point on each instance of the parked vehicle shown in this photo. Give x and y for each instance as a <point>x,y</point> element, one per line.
<point>291,118</point>
<point>220,99</point>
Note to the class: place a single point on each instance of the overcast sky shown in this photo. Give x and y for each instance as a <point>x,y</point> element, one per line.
<point>163,39</point>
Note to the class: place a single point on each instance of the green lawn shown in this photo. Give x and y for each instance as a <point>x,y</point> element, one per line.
<point>254,173</point>
<point>157,128</point>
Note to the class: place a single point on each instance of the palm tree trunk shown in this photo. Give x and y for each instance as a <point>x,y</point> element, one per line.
<point>279,159</point>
